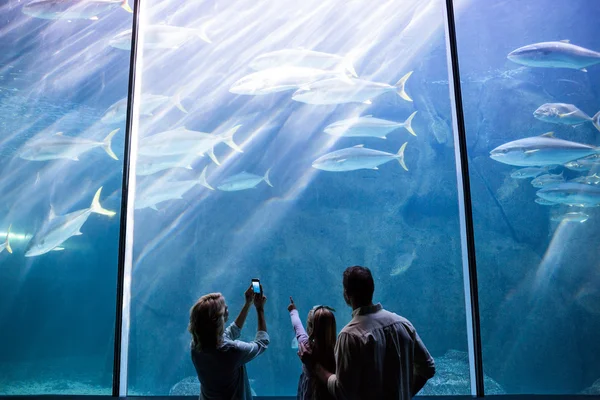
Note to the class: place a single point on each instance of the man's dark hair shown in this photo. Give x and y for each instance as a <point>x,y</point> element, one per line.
<point>359,285</point>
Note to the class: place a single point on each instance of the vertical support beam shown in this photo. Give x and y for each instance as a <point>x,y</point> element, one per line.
<point>122,322</point>
<point>467,235</point>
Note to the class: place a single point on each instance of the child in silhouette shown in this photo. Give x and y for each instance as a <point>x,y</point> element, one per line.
<point>318,339</point>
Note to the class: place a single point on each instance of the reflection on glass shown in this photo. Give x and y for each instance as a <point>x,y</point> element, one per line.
<point>60,194</point>
<point>532,129</point>
<point>293,140</point>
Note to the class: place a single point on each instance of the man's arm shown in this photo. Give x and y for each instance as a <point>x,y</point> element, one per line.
<point>344,383</point>
<point>424,366</point>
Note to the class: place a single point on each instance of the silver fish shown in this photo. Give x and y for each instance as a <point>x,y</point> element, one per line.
<point>545,202</point>
<point>571,217</point>
<point>541,150</point>
<point>302,58</point>
<point>243,181</point>
<point>342,90</point>
<point>572,194</point>
<point>529,172</point>
<point>58,228</point>
<point>584,164</point>
<point>357,157</point>
<point>403,263</point>
<point>149,103</point>
<point>588,180</point>
<point>367,126</point>
<point>567,114</point>
<point>161,37</point>
<point>155,193</point>
<point>6,244</point>
<point>279,79</point>
<point>150,165</point>
<point>555,55</point>
<point>547,179</point>
<point>59,146</point>
<point>72,9</point>
<point>186,142</point>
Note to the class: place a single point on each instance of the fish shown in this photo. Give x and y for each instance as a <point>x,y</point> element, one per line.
<point>588,298</point>
<point>340,90</point>
<point>161,37</point>
<point>357,157</point>
<point>541,150</point>
<point>72,9</point>
<point>582,165</point>
<point>560,54</point>
<point>529,172</point>
<point>117,112</point>
<point>6,244</point>
<point>150,165</point>
<point>571,194</point>
<point>545,202</point>
<point>243,181</point>
<point>367,126</point>
<point>403,263</point>
<point>60,146</point>
<point>155,193</point>
<point>303,58</point>
<point>571,217</point>
<point>588,180</point>
<point>567,114</point>
<point>546,179</point>
<point>58,228</point>
<point>279,79</point>
<point>186,142</point>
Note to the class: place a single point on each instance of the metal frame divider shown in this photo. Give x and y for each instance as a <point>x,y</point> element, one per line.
<point>122,322</point>
<point>467,234</point>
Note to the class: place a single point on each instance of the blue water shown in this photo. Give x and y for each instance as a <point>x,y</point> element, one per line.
<point>539,285</point>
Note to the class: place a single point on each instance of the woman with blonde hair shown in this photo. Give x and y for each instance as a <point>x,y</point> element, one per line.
<point>318,339</point>
<point>219,358</point>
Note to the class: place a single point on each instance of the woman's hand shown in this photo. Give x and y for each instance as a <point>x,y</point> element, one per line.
<point>292,306</point>
<point>249,295</point>
<point>259,300</point>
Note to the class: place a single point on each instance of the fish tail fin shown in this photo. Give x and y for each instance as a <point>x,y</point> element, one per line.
<point>107,142</point>
<point>201,32</point>
<point>227,138</point>
<point>125,6</point>
<point>266,178</point>
<point>408,123</point>
<point>400,156</point>
<point>400,87</point>
<point>211,155</point>
<point>595,120</point>
<point>7,243</point>
<point>176,100</point>
<point>203,180</point>
<point>97,208</point>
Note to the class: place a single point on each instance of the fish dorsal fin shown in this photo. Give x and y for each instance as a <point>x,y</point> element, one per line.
<point>547,134</point>
<point>52,213</point>
<point>359,146</point>
<point>565,41</point>
<point>368,116</point>
<point>58,134</point>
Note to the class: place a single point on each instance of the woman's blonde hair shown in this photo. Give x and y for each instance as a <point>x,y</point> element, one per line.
<point>207,321</point>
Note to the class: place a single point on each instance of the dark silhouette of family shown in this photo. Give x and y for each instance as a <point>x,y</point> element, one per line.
<point>377,355</point>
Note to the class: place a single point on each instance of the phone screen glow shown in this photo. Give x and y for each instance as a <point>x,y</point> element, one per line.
<point>256,287</point>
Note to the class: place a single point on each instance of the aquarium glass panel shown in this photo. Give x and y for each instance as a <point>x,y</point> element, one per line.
<point>61,169</point>
<point>286,141</point>
<point>535,194</point>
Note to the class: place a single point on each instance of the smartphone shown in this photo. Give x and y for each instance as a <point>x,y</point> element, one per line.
<point>256,285</point>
